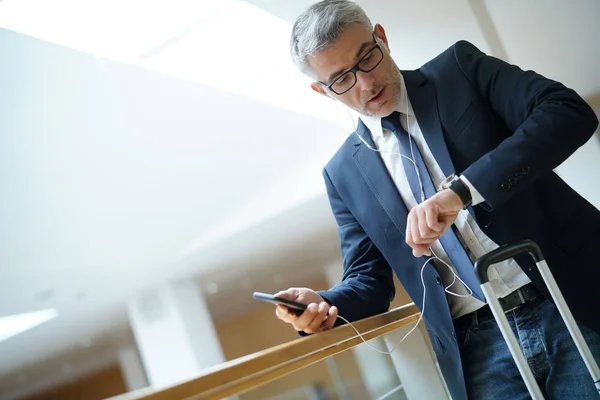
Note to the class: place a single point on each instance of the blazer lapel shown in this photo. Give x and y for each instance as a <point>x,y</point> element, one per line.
<point>376,175</point>
<point>424,102</point>
<point>423,99</point>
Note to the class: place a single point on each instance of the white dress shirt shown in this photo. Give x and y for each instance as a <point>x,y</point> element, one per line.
<point>505,277</point>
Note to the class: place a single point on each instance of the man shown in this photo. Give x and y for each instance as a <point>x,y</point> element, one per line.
<point>501,130</point>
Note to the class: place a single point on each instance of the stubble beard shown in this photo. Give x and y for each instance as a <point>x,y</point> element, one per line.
<point>395,85</point>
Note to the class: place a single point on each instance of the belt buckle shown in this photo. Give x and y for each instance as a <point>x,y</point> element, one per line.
<point>521,298</point>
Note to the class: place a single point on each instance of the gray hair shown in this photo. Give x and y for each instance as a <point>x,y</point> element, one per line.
<point>319,27</point>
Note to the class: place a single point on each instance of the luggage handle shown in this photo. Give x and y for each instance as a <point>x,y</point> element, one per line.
<point>502,253</point>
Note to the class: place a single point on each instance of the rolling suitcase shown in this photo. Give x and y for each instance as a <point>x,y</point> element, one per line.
<point>505,252</point>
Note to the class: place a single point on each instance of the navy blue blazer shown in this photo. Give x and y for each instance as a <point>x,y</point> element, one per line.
<point>505,129</point>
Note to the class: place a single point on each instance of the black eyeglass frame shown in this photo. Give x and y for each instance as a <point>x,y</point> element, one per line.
<point>354,69</point>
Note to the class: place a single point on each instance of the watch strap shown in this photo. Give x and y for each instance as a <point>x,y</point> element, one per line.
<point>462,190</point>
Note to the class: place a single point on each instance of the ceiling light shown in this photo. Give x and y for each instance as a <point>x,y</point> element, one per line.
<point>136,26</point>
<point>16,324</point>
<point>212,288</point>
<point>45,295</point>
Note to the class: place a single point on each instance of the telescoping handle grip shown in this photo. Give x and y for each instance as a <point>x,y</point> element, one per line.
<point>509,251</point>
<point>504,253</point>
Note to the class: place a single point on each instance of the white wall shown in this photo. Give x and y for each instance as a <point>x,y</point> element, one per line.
<point>559,39</point>
<point>420,30</point>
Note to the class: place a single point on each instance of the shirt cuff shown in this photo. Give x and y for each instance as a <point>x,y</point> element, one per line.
<point>475,195</point>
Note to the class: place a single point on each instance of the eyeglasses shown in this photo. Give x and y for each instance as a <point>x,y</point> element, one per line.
<point>347,80</point>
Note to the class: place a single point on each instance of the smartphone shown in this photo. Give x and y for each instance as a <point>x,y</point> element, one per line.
<point>294,306</point>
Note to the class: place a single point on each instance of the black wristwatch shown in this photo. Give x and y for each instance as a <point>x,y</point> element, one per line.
<point>454,183</point>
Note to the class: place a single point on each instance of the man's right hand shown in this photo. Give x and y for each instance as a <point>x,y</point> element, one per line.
<point>318,316</point>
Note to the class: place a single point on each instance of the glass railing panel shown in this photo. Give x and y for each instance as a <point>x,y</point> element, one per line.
<point>351,375</point>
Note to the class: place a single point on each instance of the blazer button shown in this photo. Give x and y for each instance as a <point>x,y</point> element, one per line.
<point>438,280</point>
<point>505,186</point>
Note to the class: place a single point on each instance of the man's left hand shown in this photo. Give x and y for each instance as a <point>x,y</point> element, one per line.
<point>429,220</point>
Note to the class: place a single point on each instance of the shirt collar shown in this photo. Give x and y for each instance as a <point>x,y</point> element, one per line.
<point>374,123</point>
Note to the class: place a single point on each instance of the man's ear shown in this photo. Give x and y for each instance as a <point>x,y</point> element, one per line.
<point>317,87</point>
<point>380,34</point>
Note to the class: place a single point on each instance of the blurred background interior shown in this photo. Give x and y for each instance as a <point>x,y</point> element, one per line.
<point>160,161</point>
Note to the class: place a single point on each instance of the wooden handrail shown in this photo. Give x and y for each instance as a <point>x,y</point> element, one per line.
<point>254,370</point>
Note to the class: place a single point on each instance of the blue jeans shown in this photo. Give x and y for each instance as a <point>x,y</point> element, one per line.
<point>490,372</point>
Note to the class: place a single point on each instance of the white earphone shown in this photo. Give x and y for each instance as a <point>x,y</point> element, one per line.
<point>434,256</point>
<point>412,160</point>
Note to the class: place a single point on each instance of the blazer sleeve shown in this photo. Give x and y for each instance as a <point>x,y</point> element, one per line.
<point>549,122</point>
<point>367,285</point>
